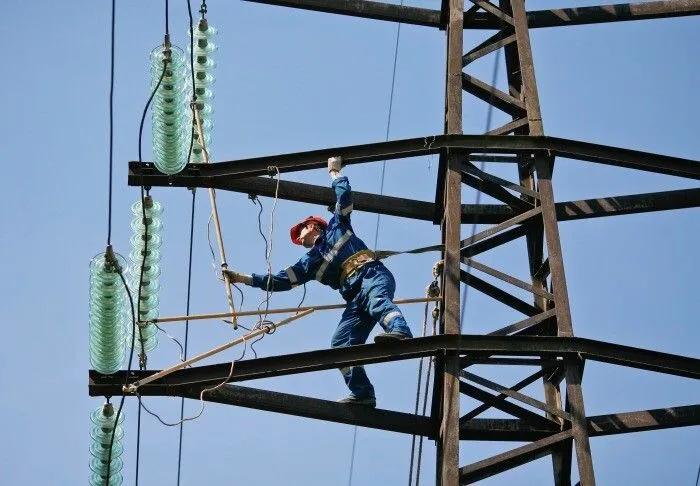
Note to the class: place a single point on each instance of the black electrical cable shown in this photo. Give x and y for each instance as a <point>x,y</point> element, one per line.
<point>187,327</point>
<point>138,444</point>
<point>388,121</point>
<point>121,401</point>
<point>111,128</point>
<point>267,294</point>
<point>133,312</point>
<point>420,377</point>
<point>189,265</point>
<point>167,18</point>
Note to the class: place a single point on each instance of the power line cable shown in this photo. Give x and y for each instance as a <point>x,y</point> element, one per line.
<point>189,264</point>
<point>187,328</point>
<point>388,120</point>
<point>138,444</point>
<point>111,128</point>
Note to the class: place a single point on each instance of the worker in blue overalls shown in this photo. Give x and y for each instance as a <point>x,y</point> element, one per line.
<point>341,260</point>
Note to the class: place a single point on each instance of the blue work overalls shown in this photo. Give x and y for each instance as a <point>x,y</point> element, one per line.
<point>369,291</point>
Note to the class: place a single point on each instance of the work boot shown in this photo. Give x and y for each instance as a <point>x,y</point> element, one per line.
<point>391,337</point>
<point>353,400</point>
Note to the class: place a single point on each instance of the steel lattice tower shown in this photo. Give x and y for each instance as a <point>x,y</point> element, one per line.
<point>545,337</point>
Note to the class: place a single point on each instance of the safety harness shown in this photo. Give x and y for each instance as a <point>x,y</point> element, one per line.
<point>353,263</point>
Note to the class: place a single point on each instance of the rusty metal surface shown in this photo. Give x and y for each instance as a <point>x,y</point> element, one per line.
<point>514,394</point>
<point>315,408</point>
<point>447,461</point>
<point>597,426</point>
<point>365,9</point>
<point>483,213</point>
<point>660,418</point>
<point>498,294</point>
<point>478,345</point>
<point>193,174</point>
<point>508,460</point>
<point>518,386</point>
<point>481,20</point>
<point>505,406</point>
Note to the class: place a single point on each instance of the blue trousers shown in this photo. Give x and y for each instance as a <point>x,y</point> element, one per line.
<point>372,305</point>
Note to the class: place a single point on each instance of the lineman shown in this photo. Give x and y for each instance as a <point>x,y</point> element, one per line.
<point>341,260</point>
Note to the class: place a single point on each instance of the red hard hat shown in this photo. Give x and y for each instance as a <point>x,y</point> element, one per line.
<point>295,231</point>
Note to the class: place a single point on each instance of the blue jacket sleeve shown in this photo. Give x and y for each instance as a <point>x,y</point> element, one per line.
<point>299,273</point>
<point>343,198</point>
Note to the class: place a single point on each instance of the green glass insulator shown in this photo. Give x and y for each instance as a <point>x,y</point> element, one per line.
<point>170,110</point>
<point>107,313</point>
<point>204,64</point>
<point>104,428</point>
<point>144,269</point>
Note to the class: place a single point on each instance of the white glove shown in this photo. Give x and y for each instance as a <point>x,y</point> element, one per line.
<point>335,164</point>
<point>235,277</point>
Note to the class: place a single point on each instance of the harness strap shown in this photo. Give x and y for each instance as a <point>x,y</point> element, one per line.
<point>382,254</point>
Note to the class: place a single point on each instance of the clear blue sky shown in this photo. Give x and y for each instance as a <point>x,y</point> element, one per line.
<point>289,81</point>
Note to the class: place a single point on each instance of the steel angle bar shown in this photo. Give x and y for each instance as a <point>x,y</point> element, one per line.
<point>597,426</point>
<point>447,459</point>
<point>505,159</point>
<point>493,96</point>
<point>472,169</point>
<point>365,9</point>
<point>313,408</point>
<point>500,430</point>
<point>362,201</point>
<point>486,213</point>
<point>524,324</point>
<point>146,174</point>
<point>323,195</point>
<point>493,43</point>
<point>515,395</point>
<point>509,127</point>
<point>518,386</point>
<point>480,20</point>
<point>495,191</point>
<point>630,204</point>
<point>499,294</point>
<point>466,361</point>
<point>514,458</point>
<point>519,219</point>
<point>547,346</point>
<point>507,278</point>
<point>493,11</point>
<point>621,157</point>
<point>495,241</point>
<point>504,406</point>
<point>423,210</point>
<point>594,14</point>
<point>660,418</point>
